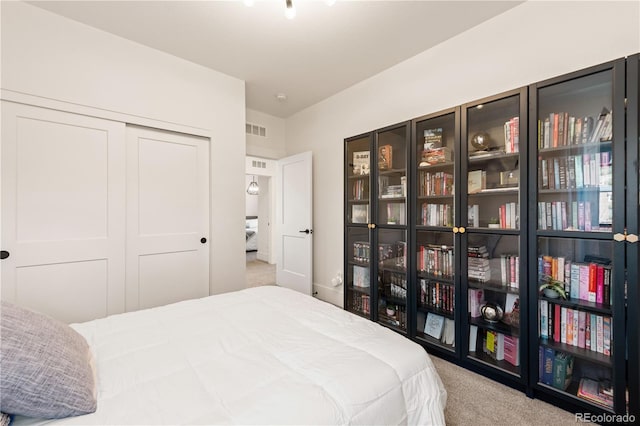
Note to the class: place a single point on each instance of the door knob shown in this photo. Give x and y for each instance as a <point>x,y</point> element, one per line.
<point>203,240</point>
<point>4,254</point>
<point>307,231</point>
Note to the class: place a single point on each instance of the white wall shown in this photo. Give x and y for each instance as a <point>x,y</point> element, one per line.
<point>271,146</point>
<point>529,43</point>
<point>49,57</point>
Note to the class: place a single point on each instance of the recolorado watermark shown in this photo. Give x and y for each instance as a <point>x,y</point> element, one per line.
<point>605,418</point>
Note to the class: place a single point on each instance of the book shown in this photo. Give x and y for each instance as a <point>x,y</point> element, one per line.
<point>360,213</point>
<point>547,366</point>
<point>361,277</point>
<point>385,157</point>
<point>595,391</point>
<point>562,370</point>
<point>433,325</point>
<point>512,350</point>
<point>361,164</point>
<point>473,338</point>
<point>473,216</point>
<point>449,332</point>
<point>432,138</point>
<point>476,181</point>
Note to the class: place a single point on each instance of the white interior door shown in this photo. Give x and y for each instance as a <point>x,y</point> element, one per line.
<point>63,212</point>
<point>294,218</point>
<point>167,217</point>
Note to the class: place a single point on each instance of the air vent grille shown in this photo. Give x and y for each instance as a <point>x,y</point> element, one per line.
<point>256,130</point>
<point>259,164</point>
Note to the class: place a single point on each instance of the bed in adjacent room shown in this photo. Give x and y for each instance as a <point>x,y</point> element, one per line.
<point>264,355</point>
<point>251,229</point>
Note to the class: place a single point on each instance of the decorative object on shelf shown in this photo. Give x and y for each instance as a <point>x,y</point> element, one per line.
<point>434,325</point>
<point>385,157</point>
<point>494,222</point>
<point>391,310</point>
<point>491,312</point>
<point>512,311</point>
<point>253,188</point>
<point>552,288</point>
<point>480,141</point>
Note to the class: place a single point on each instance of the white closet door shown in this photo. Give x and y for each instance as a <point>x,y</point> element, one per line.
<point>167,217</point>
<point>63,212</point>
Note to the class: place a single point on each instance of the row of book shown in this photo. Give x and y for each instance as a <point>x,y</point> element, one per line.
<point>508,215</point>
<point>590,282</point>
<point>395,284</point>
<point>510,270</point>
<point>434,183</point>
<point>574,327</point>
<point>436,260</point>
<point>393,255</point>
<point>361,276</point>
<point>597,391</point>
<point>360,189</point>
<point>576,215</point>
<point>478,267</point>
<point>499,346</point>
<point>562,129</point>
<point>362,251</point>
<point>360,303</point>
<point>436,214</point>
<point>434,294</point>
<point>555,368</point>
<point>512,135</point>
<point>586,170</point>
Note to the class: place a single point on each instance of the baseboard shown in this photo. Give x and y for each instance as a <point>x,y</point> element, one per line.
<point>329,294</point>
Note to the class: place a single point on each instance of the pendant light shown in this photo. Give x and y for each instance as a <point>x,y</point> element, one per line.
<point>253,188</point>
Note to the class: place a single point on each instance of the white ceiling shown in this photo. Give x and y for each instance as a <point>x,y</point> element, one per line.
<point>324,50</point>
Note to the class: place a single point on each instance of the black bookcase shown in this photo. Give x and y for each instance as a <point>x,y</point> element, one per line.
<point>505,199</point>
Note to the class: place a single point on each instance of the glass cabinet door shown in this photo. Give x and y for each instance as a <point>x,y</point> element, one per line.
<point>579,236</point>
<point>358,275</point>
<point>436,141</point>
<point>358,180</point>
<point>390,225</point>
<point>357,244</point>
<point>494,173</point>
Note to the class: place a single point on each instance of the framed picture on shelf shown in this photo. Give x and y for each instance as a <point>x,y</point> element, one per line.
<point>360,213</point>
<point>385,157</point>
<point>361,163</point>
<point>434,325</point>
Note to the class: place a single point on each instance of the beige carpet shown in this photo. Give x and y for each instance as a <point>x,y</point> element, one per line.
<point>476,400</point>
<point>259,272</point>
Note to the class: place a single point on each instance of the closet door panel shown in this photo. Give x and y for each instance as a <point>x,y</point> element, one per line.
<point>63,194</point>
<point>167,217</point>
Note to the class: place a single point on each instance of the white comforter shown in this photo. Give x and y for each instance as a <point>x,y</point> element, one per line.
<point>264,355</point>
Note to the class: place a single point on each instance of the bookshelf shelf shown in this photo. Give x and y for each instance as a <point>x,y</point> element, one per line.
<point>557,177</point>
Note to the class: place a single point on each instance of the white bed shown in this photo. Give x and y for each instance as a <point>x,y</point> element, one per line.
<point>265,355</point>
<point>251,229</point>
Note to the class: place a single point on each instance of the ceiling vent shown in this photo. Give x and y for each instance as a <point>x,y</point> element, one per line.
<point>254,129</point>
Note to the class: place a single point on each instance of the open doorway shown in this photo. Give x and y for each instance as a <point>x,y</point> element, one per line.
<point>260,264</point>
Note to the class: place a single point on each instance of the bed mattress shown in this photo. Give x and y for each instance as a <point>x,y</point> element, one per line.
<point>264,355</point>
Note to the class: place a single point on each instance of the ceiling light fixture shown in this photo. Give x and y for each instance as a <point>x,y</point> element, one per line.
<point>290,11</point>
<point>281,97</point>
<point>253,188</point>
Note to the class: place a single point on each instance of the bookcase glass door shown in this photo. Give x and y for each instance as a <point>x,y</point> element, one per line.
<point>358,276</point>
<point>392,278</point>
<point>358,182</point>
<point>494,172</point>
<point>436,288</point>
<point>575,160</point>
<point>575,318</point>
<point>391,150</point>
<point>580,274</point>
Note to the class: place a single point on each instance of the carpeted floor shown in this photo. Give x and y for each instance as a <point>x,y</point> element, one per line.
<point>476,400</point>
<point>259,272</point>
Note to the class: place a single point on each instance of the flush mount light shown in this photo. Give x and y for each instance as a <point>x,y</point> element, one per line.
<point>253,188</point>
<point>281,97</point>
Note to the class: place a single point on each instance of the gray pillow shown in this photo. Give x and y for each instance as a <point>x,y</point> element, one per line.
<point>45,366</point>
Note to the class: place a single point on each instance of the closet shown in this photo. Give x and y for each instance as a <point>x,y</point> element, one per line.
<point>100,217</point>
